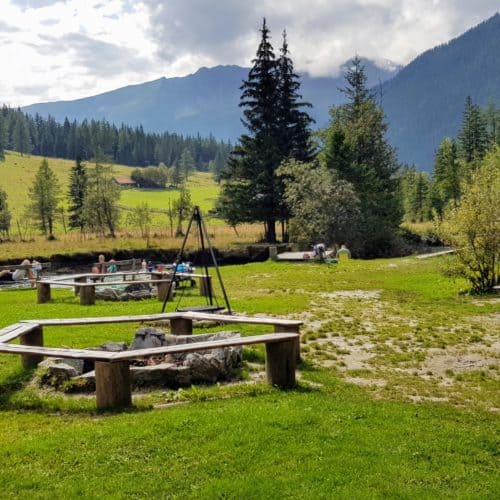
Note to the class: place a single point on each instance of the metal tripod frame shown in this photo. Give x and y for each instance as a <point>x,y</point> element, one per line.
<point>202,231</point>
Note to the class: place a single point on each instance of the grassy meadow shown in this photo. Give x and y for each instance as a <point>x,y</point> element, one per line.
<point>16,177</point>
<point>398,397</point>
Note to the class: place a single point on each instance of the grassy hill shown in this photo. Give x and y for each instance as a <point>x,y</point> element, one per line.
<point>17,173</point>
<point>16,177</point>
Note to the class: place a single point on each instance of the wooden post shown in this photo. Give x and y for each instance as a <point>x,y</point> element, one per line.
<point>81,279</point>
<point>181,326</point>
<point>273,252</point>
<point>291,329</point>
<point>280,363</point>
<point>206,289</point>
<point>163,289</point>
<point>87,295</point>
<point>43,292</point>
<point>34,338</point>
<point>112,384</point>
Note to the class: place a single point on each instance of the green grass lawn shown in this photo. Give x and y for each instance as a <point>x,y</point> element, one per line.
<point>375,414</point>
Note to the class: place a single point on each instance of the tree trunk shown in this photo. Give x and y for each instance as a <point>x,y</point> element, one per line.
<point>271,231</point>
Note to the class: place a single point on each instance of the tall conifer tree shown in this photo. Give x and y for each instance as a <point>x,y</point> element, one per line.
<point>356,147</point>
<point>277,129</point>
<point>76,195</point>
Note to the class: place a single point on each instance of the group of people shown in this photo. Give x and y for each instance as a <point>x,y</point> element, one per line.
<point>319,251</point>
<point>21,274</point>
<point>102,267</point>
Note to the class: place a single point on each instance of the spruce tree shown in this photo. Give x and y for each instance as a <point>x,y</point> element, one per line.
<point>76,195</point>
<point>473,136</point>
<point>44,196</point>
<point>446,177</point>
<point>293,122</point>
<point>5,215</point>
<point>356,148</point>
<point>277,130</point>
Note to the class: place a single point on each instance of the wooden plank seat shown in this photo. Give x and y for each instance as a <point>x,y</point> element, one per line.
<point>37,270</point>
<point>86,290</point>
<point>112,368</point>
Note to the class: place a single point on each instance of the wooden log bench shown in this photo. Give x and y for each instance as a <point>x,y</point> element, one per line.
<point>86,290</point>
<point>112,370</point>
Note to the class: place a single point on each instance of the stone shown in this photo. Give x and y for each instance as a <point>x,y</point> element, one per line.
<point>55,371</point>
<point>148,337</point>
<point>74,364</point>
<point>114,346</point>
<point>163,374</point>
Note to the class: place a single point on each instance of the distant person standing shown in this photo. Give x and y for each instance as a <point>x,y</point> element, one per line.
<point>343,252</point>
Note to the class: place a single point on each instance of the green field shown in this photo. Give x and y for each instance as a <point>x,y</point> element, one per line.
<point>398,397</point>
<point>18,172</point>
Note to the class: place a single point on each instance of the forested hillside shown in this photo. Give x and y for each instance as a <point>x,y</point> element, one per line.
<point>424,101</point>
<point>100,139</point>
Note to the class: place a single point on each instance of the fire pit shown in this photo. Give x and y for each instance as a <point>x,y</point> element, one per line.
<point>163,370</point>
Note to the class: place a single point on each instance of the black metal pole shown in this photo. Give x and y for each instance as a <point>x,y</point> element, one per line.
<point>214,260</point>
<point>197,214</point>
<point>177,260</point>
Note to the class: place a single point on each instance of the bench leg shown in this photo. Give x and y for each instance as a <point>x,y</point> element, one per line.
<point>79,280</point>
<point>43,292</point>
<point>181,326</point>
<point>280,363</point>
<point>206,289</point>
<point>33,338</point>
<point>163,290</point>
<point>112,384</point>
<point>87,295</point>
<point>291,329</point>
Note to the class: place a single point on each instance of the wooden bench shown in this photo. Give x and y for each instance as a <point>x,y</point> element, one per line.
<point>112,370</point>
<point>37,269</point>
<point>86,290</point>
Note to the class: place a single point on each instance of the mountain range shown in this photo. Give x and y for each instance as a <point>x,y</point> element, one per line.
<point>423,101</point>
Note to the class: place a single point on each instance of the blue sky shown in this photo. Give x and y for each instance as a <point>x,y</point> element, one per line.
<point>54,50</point>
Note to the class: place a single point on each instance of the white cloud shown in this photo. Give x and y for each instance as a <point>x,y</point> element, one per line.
<point>65,49</point>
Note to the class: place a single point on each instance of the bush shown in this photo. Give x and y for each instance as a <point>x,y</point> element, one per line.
<point>473,226</point>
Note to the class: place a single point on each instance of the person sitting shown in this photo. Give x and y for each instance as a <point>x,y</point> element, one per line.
<point>19,274</point>
<point>319,251</point>
<point>112,268</point>
<point>343,253</point>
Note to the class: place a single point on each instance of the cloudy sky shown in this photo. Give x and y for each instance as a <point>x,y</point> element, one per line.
<point>65,49</point>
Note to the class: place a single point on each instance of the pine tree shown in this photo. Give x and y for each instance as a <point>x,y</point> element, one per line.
<point>186,163</point>
<point>473,136</point>
<point>101,200</point>
<point>446,177</point>
<point>44,196</point>
<point>3,136</point>
<point>76,195</point>
<point>356,148</point>
<point>292,121</point>
<point>5,215</point>
<point>277,130</point>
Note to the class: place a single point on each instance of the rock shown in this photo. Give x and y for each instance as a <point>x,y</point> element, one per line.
<point>74,364</point>
<point>114,346</point>
<point>148,337</point>
<point>55,371</point>
<point>163,374</point>
<point>107,294</point>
